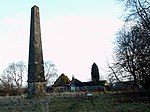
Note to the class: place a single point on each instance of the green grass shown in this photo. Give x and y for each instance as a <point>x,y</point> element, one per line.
<point>67,102</point>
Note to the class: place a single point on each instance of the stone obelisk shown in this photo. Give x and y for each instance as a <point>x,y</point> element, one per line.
<point>36,78</point>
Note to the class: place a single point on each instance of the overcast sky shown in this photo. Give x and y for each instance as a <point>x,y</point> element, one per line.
<point>75,33</point>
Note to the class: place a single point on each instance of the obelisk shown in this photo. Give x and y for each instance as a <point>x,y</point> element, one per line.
<point>36,78</point>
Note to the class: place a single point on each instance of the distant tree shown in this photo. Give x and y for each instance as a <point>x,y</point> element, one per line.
<point>50,72</point>
<point>6,82</point>
<point>95,73</point>
<point>12,77</point>
<point>20,70</point>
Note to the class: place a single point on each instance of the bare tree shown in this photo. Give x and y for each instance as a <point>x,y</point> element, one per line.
<point>132,55</point>
<point>50,72</point>
<point>6,82</point>
<point>137,11</point>
<point>21,71</point>
<point>12,77</point>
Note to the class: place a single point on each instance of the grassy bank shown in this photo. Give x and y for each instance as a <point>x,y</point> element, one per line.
<point>74,102</point>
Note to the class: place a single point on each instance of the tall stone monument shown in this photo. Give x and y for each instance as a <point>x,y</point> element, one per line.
<point>36,79</point>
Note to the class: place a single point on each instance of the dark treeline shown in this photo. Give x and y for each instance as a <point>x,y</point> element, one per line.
<point>132,45</point>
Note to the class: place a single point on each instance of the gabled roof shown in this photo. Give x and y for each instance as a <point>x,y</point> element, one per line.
<point>62,80</point>
<point>75,82</point>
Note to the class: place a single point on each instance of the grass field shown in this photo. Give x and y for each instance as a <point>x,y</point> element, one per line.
<point>76,102</point>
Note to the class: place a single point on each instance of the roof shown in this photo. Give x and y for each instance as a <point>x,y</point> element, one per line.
<point>75,82</point>
<point>62,80</point>
<point>91,83</point>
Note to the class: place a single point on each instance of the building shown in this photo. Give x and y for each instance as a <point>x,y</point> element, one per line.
<point>77,85</point>
<point>61,84</point>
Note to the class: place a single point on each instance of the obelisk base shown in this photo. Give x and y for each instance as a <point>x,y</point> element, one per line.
<point>40,89</point>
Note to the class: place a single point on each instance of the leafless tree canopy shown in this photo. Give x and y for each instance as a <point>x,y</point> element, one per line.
<point>132,51</point>
<point>12,77</point>
<point>137,11</point>
<point>50,72</point>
